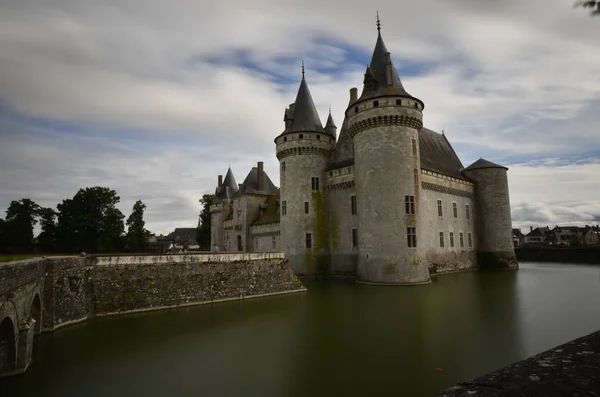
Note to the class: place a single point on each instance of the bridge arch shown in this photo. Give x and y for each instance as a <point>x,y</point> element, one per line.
<point>36,313</point>
<point>8,345</point>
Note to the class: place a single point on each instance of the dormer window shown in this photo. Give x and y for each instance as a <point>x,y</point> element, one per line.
<point>319,137</point>
<point>399,102</point>
<point>356,109</point>
<point>301,136</point>
<point>375,104</point>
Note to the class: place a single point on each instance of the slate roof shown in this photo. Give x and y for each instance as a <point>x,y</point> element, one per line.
<point>482,163</point>
<point>182,234</point>
<point>539,231</point>
<point>303,113</point>
<point>374,84</point>
<point>228,188</point>
<point>271,213</point>
<point>330,123</point>
<point>250,185</point>
<point>438,155</point>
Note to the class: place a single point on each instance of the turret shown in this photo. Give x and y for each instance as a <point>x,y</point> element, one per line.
<point>303,150</point>
<point>493,224</point>
<point>385,122</point>
<point>330,126</point>
<point>224,192</point>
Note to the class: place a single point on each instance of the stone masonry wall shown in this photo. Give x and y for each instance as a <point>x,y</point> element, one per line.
<point>446,259</point>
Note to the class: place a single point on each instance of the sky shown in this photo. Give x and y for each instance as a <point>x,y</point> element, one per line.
<point>155,99</point>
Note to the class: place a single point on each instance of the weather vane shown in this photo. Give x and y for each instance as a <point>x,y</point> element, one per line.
<point>378,22</point>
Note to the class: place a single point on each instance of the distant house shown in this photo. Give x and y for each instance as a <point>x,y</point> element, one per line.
<point>182,238</point>
<point>591,235</point>
<point>536,236</point>
<point>568,235</point>
<point>161,246</point>
<point>518,237</point>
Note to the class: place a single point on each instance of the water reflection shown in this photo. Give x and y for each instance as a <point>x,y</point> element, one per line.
<point>338,339</point>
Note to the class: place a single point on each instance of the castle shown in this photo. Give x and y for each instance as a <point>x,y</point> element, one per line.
<point>386,202</point>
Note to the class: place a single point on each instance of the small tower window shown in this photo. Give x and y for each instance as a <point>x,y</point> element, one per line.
<point>375,104</point>
<point>353,204</point>
<point>355,109</point>
<point>416,105</point>
<point>470,239</point>
<point>451,239</point>
<point>462,240</point>
<point>455,210</point>
<point>354,238</point>
<point>468,211</point>
<point>315,183</point>
<point>319,137</point>
<point>409,204</point>
<point>285,138</point>
<point>440,212</point>
<point>306,207</point>
<point>399,102</point>
<point>283,166</point>
<point>301,136</point>
<point>283,207</point>
<point>442,239</point>
<point>308,241</point>
<point>411,236</point>
<point>414,147</point>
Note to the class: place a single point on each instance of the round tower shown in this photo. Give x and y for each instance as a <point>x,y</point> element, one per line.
<point>303,150</point>
<point>493,224</point>
<point>385,122</point>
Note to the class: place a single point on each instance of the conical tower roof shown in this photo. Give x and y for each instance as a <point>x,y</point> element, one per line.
<point>330,123</point>
<point>375,81</point>
<point>229,187</point>
<point>483,163</point>
<point>303,113</point>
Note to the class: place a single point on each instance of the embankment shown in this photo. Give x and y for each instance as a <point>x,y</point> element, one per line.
<point>588,254</point>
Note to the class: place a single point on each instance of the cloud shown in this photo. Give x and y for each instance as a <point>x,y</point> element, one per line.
<point>155,99</point>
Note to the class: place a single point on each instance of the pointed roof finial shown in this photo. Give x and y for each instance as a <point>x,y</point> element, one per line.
<point>303,68</point>
<point>378,22</point>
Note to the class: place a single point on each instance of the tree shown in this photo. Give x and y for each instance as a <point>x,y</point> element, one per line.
<point>593,5</point>
<point>203,230</point>
<point>137,235</point>
<point>90,222</point>
<point>47,238</point>
<point>20,219</point>
<point>2,233</point>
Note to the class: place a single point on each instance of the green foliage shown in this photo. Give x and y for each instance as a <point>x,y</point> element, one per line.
<point>47,238</point>
<point>15,258</point>
<point>203,230</point>
<point>90,222</point>
<point>137,235</point>
<point>594,6</point>
<point>21,216</point>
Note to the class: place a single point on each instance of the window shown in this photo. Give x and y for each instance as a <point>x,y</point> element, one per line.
<point>353,205</point>
<point>468,211</point>
<point>416,106</point>
<point>470,239</point>
<point>455,210</point>
<point>315,183</point>
<point>416,173</point>
<point>409,204</point>
<point>283,207</point>
<point>375,104</point>
<point>451,239</point>
<point>318,136</point>
<point>354,238</point>
<point>440,212</point>
<point>442,239</point>
<point>414,146</point>
<point>301,136</point>
<point>399,102</point>
<point>285,138</point>
<point>308,241</point>
<point>462,240</point>
<point>411,236</point>
<point>255,243</point>
<point>306,207</point>
<point>283,166</point>
<point>355,109</point>
<point>274,242</point>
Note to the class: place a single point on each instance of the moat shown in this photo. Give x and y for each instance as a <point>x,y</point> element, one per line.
<point>339,338</point>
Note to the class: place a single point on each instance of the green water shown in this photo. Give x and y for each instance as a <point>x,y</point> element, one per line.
<point>338,339</point>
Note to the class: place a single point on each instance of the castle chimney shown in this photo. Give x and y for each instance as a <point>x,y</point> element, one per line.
<point>220,181</point>
<point>388,70</point>
<point>259,177</point>
<point>353,94</point>
<point>531,228</point>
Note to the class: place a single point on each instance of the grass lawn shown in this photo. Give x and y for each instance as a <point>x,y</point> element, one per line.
<point>15,258</point>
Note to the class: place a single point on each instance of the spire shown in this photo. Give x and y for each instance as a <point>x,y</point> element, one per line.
<point>229,187</point>
<point>375,83</point>
<point>330,123</point>
<point>303,115</point>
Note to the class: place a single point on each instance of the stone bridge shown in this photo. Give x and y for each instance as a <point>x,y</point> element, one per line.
<point>21,302</point>
<point>42,294</point>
